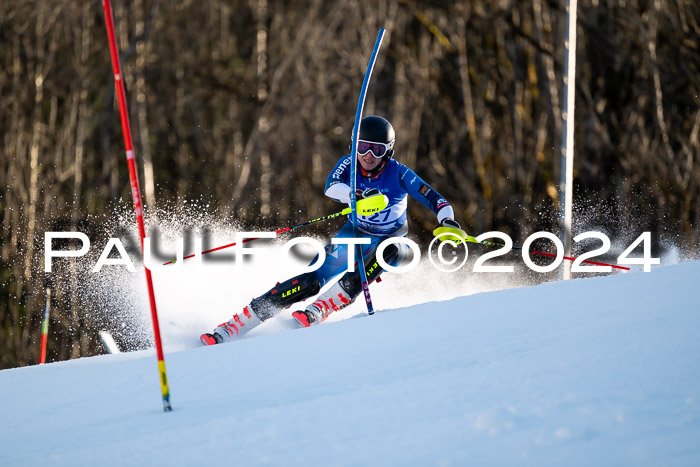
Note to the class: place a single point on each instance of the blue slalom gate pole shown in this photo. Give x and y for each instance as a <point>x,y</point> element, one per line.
<point>353,167</point>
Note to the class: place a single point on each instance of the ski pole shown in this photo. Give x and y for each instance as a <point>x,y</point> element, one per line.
<point>459,235</point>
<point>366,207</point>
<point>353,168</point>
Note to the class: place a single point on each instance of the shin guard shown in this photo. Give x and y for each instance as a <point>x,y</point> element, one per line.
<point>285,294</point>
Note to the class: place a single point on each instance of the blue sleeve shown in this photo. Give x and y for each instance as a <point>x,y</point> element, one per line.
<point>340,173</point>
<point>420,190</point>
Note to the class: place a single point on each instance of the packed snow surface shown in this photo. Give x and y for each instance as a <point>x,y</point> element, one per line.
<point>598,371</point>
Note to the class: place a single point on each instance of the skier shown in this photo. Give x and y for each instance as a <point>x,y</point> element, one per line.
<point>379,174</point>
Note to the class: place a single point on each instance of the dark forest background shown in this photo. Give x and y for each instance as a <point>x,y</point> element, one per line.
<point>246,105</point>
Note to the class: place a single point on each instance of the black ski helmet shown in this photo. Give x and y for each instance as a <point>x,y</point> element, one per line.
<point>377,129</point>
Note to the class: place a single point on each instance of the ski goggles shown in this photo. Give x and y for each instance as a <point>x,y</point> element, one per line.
<point>378,150</point>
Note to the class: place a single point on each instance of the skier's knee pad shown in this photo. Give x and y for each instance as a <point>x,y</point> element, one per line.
<point>286,294</point>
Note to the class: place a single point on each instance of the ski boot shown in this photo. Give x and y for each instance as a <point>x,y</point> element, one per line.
<point>235,327</point>
<point>334,299</point>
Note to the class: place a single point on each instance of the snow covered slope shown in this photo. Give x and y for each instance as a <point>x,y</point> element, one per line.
<point>600,371</point>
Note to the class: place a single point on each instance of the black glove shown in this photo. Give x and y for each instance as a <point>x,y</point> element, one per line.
<point>450,223</point>
<point>367,193</point>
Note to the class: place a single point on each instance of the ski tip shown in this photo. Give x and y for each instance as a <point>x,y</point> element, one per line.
<point>207,339</point>
<point>301,319</point>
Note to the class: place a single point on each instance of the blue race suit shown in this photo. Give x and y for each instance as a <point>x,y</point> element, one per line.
<point>394,180</point>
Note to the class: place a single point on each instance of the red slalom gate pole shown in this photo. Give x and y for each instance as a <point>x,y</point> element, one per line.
<point>552,255</point>
<point>136,194</point>
<point>45,327</point>
<point>222,247</point>
<point>544,253</point>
